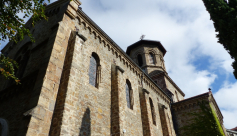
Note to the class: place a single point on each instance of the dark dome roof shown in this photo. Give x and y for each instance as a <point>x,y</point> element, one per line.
<point>157,43</point>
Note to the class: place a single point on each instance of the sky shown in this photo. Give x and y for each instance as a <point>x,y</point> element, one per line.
<point>194,59</point>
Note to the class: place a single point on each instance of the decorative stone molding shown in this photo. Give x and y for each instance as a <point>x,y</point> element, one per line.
<point>120,69</point>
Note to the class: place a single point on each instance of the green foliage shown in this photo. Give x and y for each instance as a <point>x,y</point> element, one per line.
<point>203,123</point>
<point>7,68</point>
<point>12,26</point>
<point>224,16</point>
<point>217,121</point>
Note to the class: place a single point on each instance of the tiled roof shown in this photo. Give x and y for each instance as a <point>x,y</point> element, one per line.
<point>234,129</point>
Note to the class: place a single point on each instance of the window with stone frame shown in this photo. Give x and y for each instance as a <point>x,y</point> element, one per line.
<point>94,70</point>
<point>152,111</point>
<point>22,58</point>
<point>139,60</point>
<point>151,58</point>
<point>129,95</point>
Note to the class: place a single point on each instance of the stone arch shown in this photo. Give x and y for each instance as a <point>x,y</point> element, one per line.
<point>84,24</point>
<point>116,54</point>
<point>120,58</point>
<point>123,60</point>
<point>99,39</point>
<point>4,127</point>
<point>108,47</point>
<point>103,41</point>
<point>90,30</point>
<point>126,64</point>
<point>112,51</point>
<point>95,36</point>
<point>79,20</point>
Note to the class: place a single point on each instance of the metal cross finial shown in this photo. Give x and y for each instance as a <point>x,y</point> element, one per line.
<point>142,37</point>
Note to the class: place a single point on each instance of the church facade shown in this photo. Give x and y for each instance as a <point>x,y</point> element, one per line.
<point>75,80</point>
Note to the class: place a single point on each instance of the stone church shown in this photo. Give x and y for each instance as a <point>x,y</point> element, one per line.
<point>76,81</point>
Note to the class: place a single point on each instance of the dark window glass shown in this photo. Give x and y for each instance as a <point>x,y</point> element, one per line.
<point>23,64</point>
<point>151,58</point>
<point>128,95</point>
<point>152,112</point>
<point>139,59</point>
<point>92,71</point>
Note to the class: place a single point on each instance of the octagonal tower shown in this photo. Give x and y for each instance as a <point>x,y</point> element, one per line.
<point>149,56</point>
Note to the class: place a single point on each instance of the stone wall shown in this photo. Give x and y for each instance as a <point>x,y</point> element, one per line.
<point>182,109</point>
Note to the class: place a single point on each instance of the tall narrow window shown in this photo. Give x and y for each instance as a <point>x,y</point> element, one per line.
<point>23,64</point>
<point>151,58</point>
<point>152,112</point>
<point>139,59</point>
<point>94,70</point>
<point>129,94</point>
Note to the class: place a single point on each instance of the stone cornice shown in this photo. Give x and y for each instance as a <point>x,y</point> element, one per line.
<point>194,101</point>
<point>191,102</point>
<point>116,50</point>
<point>212,99</point>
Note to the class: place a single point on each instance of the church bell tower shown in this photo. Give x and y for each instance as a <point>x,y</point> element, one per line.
<point>148,55</point>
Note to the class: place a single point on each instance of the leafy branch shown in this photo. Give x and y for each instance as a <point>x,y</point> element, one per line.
<point>12,27</point>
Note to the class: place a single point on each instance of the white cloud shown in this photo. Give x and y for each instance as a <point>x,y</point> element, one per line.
<point>226,99</point>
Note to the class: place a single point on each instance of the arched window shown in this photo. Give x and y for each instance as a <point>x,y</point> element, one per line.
<point>22,57</point>
<point>23,64</point>
<point>151,58</point>
<point>3,127</point>
<point>139,59</point>
<point>94,70</point>
<point>129,94</point>
<point>152,112</point>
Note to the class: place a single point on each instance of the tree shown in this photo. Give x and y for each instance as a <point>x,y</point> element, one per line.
<point>224,15</point>
<point>12,27</point>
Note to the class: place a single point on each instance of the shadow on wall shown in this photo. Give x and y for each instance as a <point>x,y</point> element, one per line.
<point>85,129</point>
